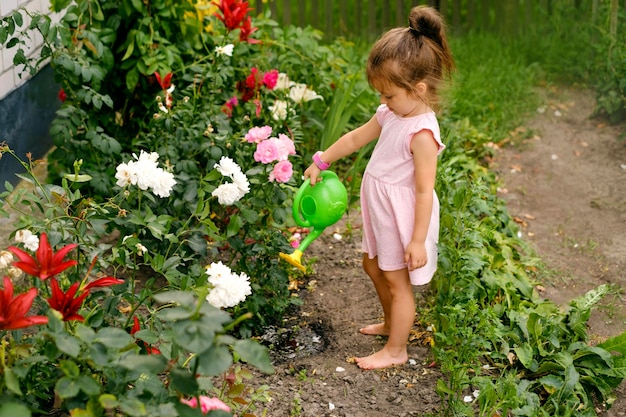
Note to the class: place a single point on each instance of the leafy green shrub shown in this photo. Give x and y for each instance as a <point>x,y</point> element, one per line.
<point>113,345</point>
<point>503,349</point>
<point>177,146</point>
<point>188,82</point>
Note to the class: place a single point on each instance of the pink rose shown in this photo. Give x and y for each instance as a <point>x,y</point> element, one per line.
<point>206,404</point>
<point>258,134</point>
<point>282,172</point>
<point>286,146</point>
<point>266,151</point>
<point>270,78</point>
<point>294,240</point>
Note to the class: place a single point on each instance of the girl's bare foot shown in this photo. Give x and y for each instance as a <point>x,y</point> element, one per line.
<point>377,329</point>
<point>381,359</point>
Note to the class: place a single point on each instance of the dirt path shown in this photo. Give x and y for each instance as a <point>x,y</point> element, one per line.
<point>566,186</point>
<point>565,183</point>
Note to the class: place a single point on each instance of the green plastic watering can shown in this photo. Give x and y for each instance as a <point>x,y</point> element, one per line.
<point>317,207</point>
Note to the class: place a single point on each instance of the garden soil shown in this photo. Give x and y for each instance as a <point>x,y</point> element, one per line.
<point>563,176</point>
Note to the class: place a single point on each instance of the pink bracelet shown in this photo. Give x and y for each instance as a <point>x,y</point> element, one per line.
<point>318,161</point>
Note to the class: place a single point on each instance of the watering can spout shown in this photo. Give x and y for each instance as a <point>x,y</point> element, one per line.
<point>317,207</point>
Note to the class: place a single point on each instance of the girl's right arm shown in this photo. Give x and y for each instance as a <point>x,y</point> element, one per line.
<point>345,145</point>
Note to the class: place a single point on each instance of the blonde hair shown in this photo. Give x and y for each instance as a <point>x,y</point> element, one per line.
<point>418,53</point>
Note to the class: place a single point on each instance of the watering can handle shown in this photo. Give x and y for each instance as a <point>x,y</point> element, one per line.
<point>297,198</point>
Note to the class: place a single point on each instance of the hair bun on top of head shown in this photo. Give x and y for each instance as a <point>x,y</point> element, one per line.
<point>426,21</point>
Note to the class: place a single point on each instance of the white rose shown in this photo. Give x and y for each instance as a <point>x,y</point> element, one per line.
<point>227,194</point>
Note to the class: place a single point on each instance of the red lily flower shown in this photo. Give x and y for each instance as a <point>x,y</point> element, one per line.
<point>165,82</point>
<point>13,309</point>
<point>233,12</point>
<point>65,303</point>
<point>103,282</point>
<point>247,30</point>
<point>149,349</point>
<point>48,263</point>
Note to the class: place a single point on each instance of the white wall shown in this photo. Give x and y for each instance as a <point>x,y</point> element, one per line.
<point>10,75</point>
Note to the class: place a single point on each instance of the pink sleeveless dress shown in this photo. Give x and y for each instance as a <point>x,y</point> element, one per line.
<point>388,195</point>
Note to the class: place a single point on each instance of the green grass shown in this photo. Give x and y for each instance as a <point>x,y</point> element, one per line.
<point>493,87</point>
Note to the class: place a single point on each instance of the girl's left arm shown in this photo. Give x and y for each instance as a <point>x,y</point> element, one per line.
<point>425,150</point>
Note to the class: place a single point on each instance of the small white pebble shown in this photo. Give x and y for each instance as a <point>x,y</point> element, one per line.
<point>340,369</point>
<point>468,399</point>
<point>331,406</point>
<point>476,393</point>
<point>557,113</point>
<point>412,362</point>
<point>554,157</point>
<point>623,166</point>
<point>337,236</point>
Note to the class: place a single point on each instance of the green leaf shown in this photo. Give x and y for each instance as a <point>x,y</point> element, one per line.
<point>66,387</point>
<point>132,78</point>
<point>133,407</point>
<point>551,383</point>
<point>114,338</point>
<point>147,335</point>
<point>88,385</point>
<point>11,381</point>
<point>59,5</point>
<point>17,18</point>
<point>67,344</point>
<point>144,363</point>
<point>219,413</point>
<point>175,313</point>
<point>214,361</point>
<point>19,58</point>
<point>70,369</point>
<point>183,381</point>
<point>592,354</point>
<point>78,177</point>
<point>442,388</point>
<point>14,410</point>
<point>571,379</point>
<point>255,354</point>
<point>615,344</point>
<point>138,5</point>
<point>591,298</point>
<point>184,298</point>
<point>524,354</point>
<point>171,262</point>
<point>108,401</point>
<point>234,225</point>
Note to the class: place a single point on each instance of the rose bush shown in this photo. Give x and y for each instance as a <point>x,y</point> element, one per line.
<point>177,148</point>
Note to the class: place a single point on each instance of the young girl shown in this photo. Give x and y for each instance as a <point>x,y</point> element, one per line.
<point>399,205</point>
